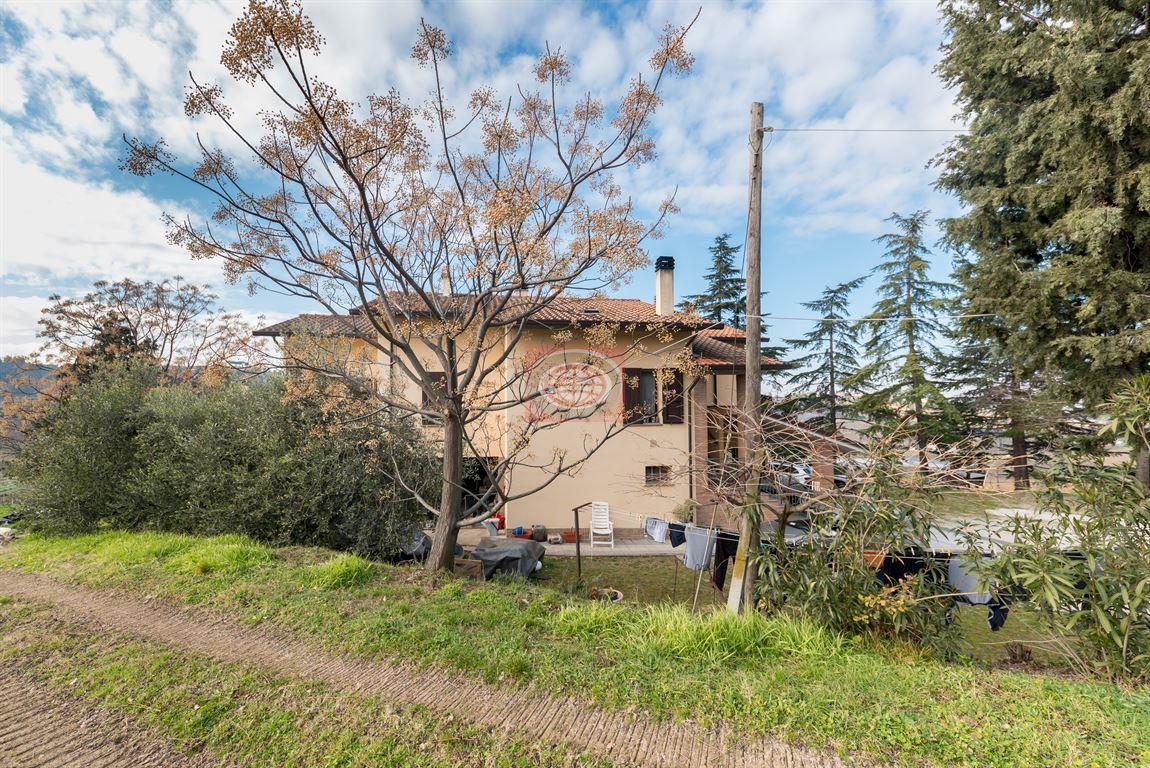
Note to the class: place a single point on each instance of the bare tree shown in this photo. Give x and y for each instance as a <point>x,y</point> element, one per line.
<point>437,233</point>
<point>176,325</point>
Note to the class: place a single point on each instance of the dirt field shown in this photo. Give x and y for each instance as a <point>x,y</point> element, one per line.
<point>41,729</point>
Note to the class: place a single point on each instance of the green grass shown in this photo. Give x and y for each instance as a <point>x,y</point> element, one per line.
<point>664,580</point>
<point>341,572</point>
<point>760,676</point>
<point>977,501</point>
<point>643,580</point>
<point>248,716</point>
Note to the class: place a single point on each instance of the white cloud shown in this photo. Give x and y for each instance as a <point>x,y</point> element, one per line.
<point>18,318</point>
<point>91,71</point>
<point>59,228</point>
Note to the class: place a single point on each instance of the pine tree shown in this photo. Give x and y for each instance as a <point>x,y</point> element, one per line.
<point>1053,177</point>
<point>832,357</point>
<point>899,378</point>
<point>723,300</point>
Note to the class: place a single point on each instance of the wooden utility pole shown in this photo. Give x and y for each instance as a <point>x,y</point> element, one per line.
<point>743,577</point>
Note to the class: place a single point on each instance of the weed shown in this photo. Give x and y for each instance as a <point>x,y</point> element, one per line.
<point>712,638</point>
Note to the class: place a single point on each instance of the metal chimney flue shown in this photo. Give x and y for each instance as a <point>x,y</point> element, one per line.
<point>665,285</point>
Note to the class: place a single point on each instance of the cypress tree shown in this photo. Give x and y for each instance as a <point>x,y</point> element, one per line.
<point>1055,178</point>
<point>831,357</point>
<point>723,300</point>
<point>900,378</point>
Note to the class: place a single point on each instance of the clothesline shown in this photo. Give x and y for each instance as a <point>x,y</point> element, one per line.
<point>641,517</point>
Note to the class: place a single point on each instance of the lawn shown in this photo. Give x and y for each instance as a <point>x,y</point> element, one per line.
<point>975,502</point>
<point>642,580</point>
<point>761,676</point>
<point>249,717</point>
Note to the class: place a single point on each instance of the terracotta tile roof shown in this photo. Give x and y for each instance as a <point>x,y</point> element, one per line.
<point>724,332</point>
<point>566,310</point>
<point>562,310</point>
<point>710,345</point>
<point>719,354</point>
<point>318,325</point>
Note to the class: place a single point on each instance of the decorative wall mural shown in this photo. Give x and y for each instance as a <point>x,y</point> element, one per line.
<point>575,380</point>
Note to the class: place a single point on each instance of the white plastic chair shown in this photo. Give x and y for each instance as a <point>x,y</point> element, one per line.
<point>601,523</point>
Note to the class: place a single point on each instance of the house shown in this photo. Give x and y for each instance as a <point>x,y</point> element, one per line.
<point>662,387</point>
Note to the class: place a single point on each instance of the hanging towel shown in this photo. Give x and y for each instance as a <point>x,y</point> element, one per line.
<point>700,543</point>
<point>677,532</point>
<point>726,545</point>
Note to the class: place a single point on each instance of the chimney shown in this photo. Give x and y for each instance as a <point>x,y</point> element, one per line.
<point>445,280</point>
<point>665,285</point>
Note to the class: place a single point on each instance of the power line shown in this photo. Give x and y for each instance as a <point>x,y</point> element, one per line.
<point>894,319</point>
<point>866,130</point>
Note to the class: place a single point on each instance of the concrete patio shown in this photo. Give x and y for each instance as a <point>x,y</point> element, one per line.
<point>631,544</point>
<point>629,547</point>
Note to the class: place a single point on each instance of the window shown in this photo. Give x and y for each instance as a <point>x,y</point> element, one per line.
<point>657,475</point>
<point>652,396</point>
<point>437,382</point>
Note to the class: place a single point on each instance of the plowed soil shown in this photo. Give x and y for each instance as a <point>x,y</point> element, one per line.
<point>41,728</point>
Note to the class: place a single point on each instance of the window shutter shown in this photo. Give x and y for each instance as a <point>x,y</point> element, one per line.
<point>673,398</point>
<point>632,404</point>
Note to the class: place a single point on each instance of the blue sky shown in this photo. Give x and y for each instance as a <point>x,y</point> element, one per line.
<point>75,77</point>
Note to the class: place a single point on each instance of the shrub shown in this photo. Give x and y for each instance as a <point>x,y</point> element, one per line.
<point>828,579</point>
<point>1083,565</point>
<point>124,452</point>
<point>75,466</point>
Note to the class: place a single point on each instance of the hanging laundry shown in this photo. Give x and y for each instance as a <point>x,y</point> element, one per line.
<point>996,613</point>
<point>655,528</point>
<point>899,565</point>
<point>677,533</point>
<point>964,581</point>
<point>700,546</point>
<point>726,546</point>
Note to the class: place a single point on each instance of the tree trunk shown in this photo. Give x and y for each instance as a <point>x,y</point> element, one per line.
<point>1142,467</point>
<point>442,556</point>
<point>1019,461</point>
<point>921,439</point>
<point>1019,458</point>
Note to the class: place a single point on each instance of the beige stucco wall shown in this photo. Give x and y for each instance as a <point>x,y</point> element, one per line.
<point>615,473</point>
<point>616,470</point>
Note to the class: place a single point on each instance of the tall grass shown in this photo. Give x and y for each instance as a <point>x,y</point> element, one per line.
<point>671,631</point>
<point>341,572</point>
<point>221,554</point>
